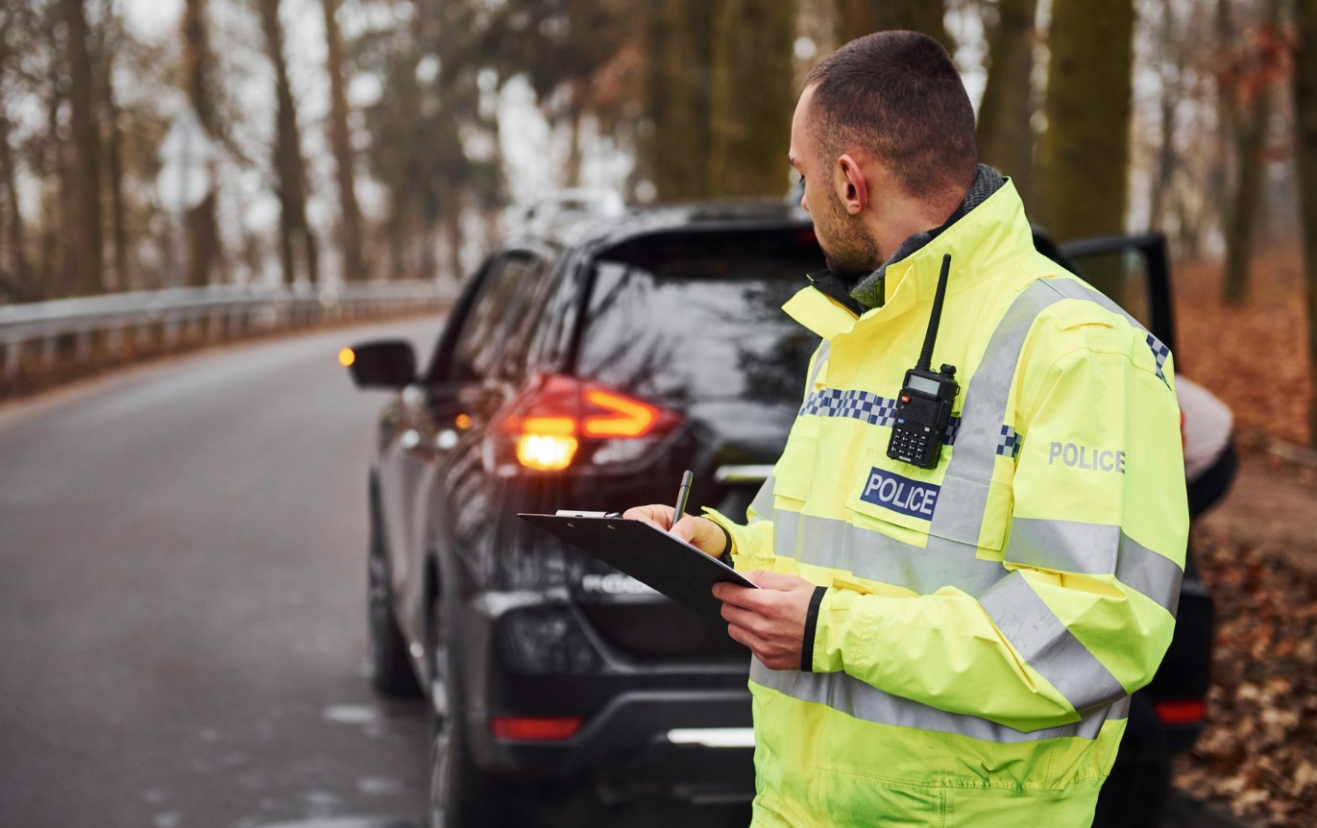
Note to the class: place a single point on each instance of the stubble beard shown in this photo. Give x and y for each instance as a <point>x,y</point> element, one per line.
<point>848,249</point>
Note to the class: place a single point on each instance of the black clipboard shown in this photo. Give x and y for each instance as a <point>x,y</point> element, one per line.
<point>668,564</point>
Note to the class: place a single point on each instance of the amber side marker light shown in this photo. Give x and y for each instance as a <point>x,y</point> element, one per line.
<point>346,357</point>
<point>534,729</point>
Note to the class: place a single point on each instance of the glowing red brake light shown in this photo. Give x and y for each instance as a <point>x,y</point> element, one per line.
<point>625,417</point>
<point>547,423</point>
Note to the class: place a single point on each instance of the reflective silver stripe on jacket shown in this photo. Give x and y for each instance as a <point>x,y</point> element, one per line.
<point>847,694</point>
<point>762,505</point>
<point>1095,549</point>
<point>820,357</point>
<point>963,501</point>
<point>1044,641</point>
<point>838,544</point>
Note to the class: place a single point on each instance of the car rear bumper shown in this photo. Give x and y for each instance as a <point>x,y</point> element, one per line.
<point>691,744</point>
<point>647,727</point>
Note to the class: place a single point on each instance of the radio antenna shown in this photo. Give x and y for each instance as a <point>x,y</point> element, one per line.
<point>935,319</point>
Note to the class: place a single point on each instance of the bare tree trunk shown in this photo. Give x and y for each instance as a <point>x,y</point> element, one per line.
<point>296,241</point>
<point>720,93</point>
<point>856,18</point>
<point>1225,116</point>
<point>16,274</point>
<point>55,275</point>
<point>1305,151</point>
<point>110,42</point>
<point>452,221</point>
<point>118,209</point>
<point>204,252</point>
<point>1005,131</point>
<point>85,222</point>
<point>679,50</point>
<point>1252,127</point>
<point>1167,159</point>
<point>1084,154</point>
<point>753,96</point>
<point>340,139</point>
<point>1170,76</point>
<point>576,112</point>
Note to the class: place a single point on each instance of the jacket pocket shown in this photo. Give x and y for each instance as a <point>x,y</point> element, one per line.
<point>891,494</point>
<point>911,503</point>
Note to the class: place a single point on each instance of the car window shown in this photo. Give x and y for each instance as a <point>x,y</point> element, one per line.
<point>524,319</point>
<point>550,336</point>
<point>498,307</point>
<point>697,317</point>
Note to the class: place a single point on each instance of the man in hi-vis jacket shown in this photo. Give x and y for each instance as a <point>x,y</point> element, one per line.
<point>954,645</point>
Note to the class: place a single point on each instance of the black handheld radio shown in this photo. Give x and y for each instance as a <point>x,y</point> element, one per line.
<point>924,407</point>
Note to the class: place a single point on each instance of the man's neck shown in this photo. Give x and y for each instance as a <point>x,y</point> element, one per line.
<point>912,217</point>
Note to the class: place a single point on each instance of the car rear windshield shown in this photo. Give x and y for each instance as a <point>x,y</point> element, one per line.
<point>697,317</point>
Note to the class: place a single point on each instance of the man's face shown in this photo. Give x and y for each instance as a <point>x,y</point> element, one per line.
<point>848,249</point>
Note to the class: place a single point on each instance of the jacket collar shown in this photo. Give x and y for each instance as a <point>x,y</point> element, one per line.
<point>871,290</point>
<point>995,231</point>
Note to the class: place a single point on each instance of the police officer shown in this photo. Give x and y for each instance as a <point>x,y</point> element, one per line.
<point>953,646</point>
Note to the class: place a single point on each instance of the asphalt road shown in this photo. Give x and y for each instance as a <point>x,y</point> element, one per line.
<point>182,627</point>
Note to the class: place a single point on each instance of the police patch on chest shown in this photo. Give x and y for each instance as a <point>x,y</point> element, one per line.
<point>900,494</point>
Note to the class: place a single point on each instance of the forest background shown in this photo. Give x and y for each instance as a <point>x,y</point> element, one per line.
<point>336,140</point>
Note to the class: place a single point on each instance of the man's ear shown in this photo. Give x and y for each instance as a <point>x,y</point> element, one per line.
<point>852,188</point>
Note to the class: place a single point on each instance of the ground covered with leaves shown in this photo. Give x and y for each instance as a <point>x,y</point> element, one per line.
<point>1258,755</point>
<point>1255,356</point>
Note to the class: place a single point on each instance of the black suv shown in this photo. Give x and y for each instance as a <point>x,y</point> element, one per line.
<point>585,366</point>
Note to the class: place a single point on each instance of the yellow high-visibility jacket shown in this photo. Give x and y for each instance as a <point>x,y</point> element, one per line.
<point>984,622</point>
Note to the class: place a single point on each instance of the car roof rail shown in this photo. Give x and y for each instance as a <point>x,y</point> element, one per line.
<point>601,202</point>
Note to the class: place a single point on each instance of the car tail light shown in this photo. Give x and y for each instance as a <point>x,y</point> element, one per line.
<point>534,729</point>
<point>549,425</point>
<point>1188,711</point>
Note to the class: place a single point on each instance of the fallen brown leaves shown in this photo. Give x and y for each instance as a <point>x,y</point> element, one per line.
<point>1258,755</point>
<point>1253,357</point>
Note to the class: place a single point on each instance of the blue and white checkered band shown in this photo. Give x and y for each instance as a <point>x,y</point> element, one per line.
<point>858,405</point>
<point>1159,352</point>
<point>863,406</point>
<point>953,425</point>
<point>1008,444</point>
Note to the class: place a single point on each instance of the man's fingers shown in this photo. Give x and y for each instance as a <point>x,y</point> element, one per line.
<point>685,528</point>
<point>655,514</point>
<point>737,596</point>
<point>743,618</point>
<point>743,636</point>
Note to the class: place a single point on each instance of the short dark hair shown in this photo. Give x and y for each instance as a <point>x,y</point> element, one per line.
<point>898,95</point>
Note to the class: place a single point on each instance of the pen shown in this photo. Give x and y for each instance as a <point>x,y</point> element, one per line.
<point>683,495</point>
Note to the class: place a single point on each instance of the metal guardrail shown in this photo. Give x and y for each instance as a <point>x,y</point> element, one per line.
<point>43,333</point>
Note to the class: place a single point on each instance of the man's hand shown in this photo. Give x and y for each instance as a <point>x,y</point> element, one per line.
<point>769,620</point>
<point>699,532</point>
